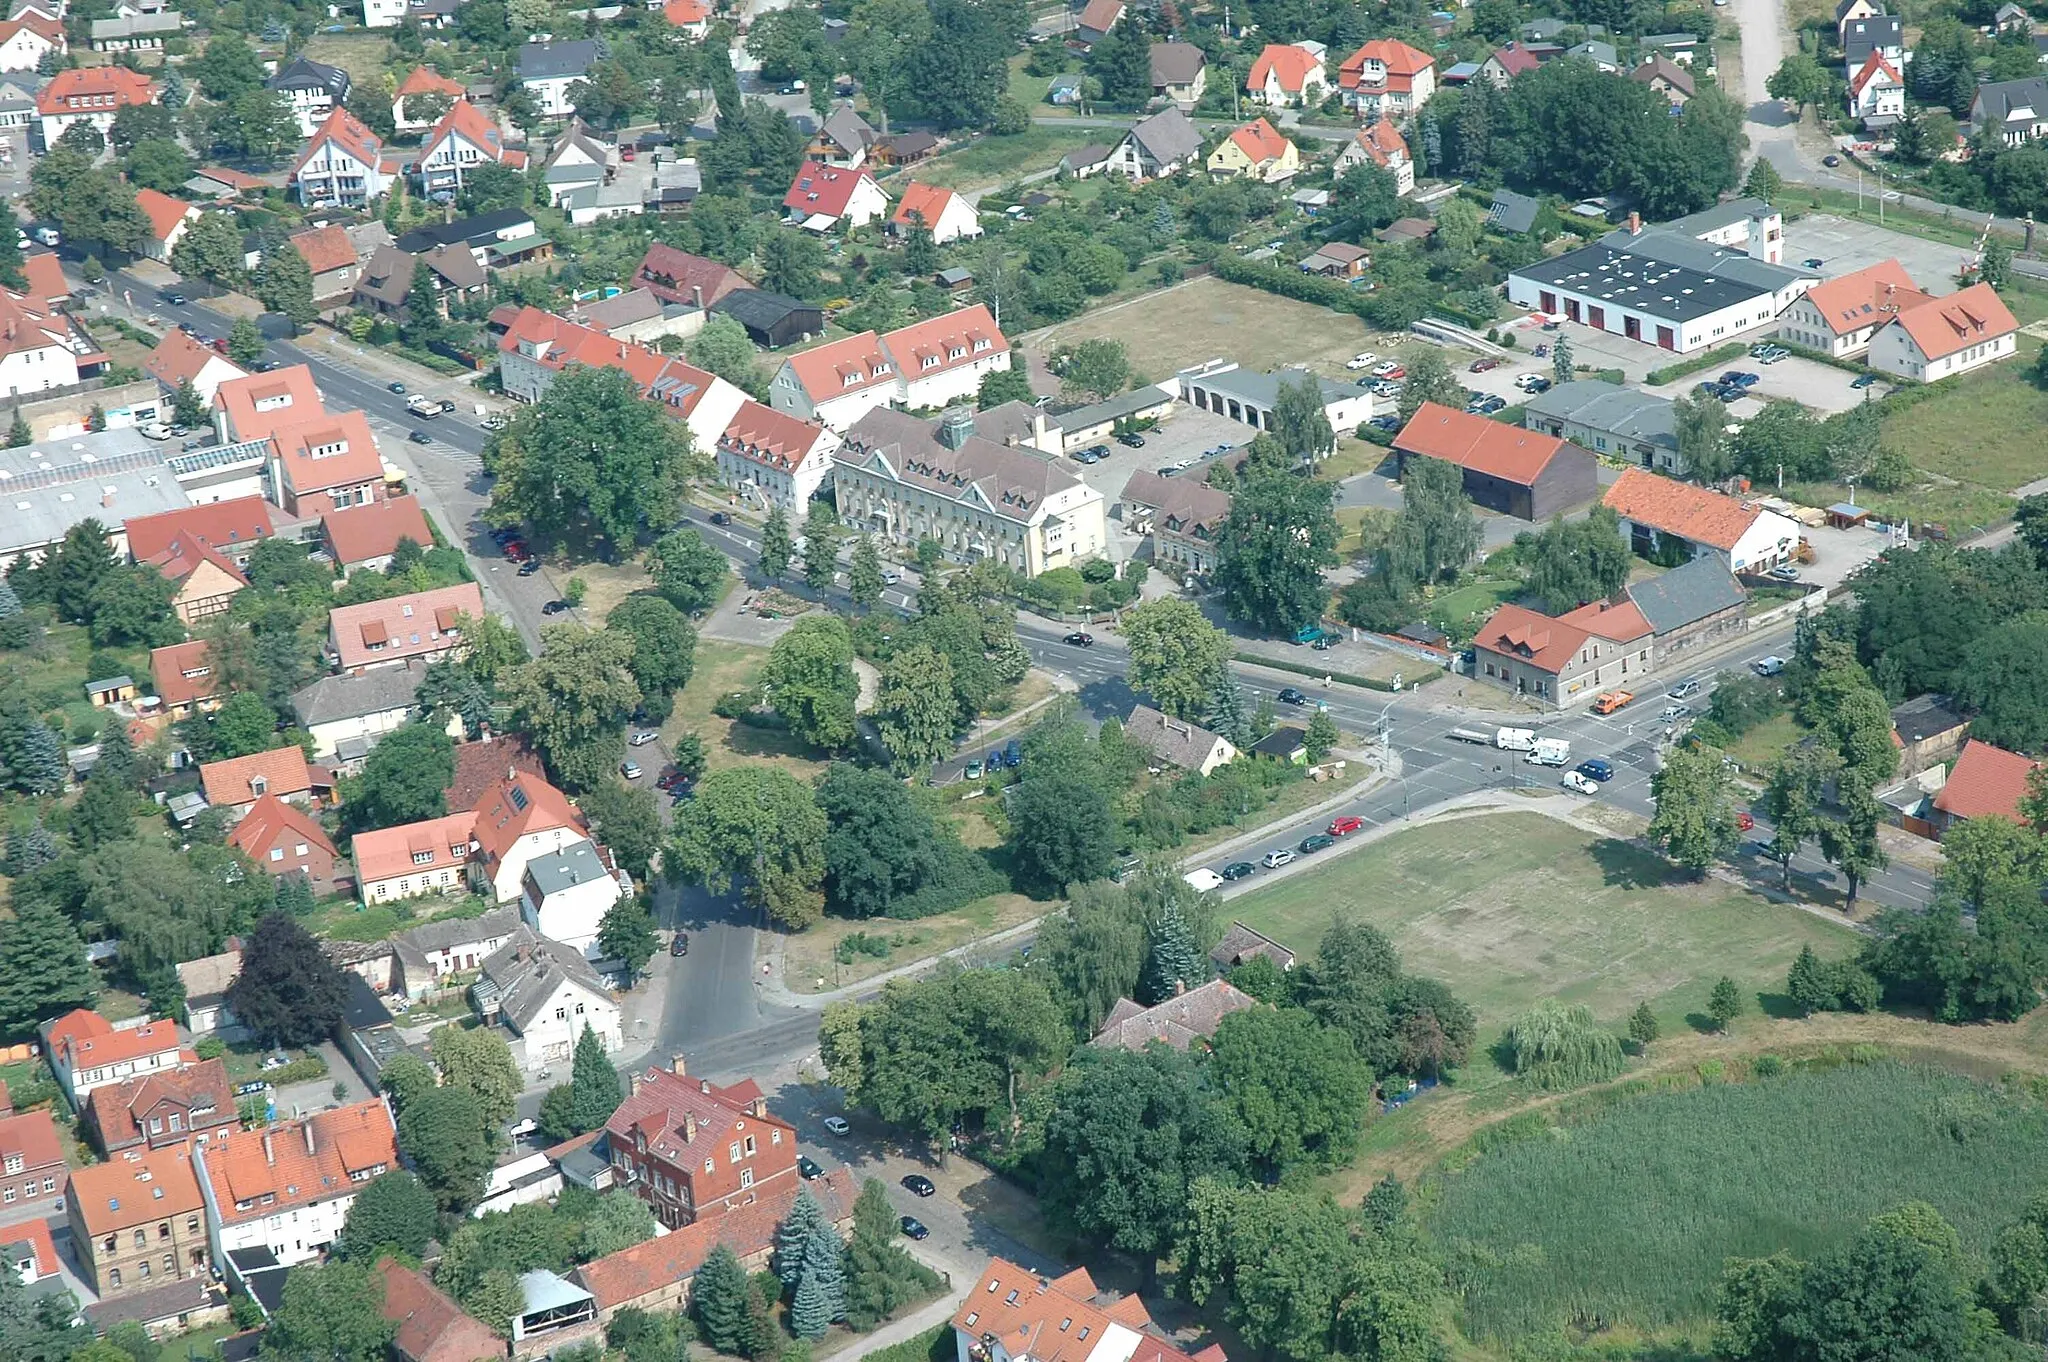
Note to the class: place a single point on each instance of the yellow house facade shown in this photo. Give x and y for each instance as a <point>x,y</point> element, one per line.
<point>1255,151</point>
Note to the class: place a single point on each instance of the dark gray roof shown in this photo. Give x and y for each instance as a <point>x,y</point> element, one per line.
<point>760,308</point>
<point>1176,63</point>
<point>1186,745</point>
<point>545,61</point>
<point>1241,943</point>
<point>474,231</point>
<point>1168,137</point>
<point>1512,212</point>
<point>1283,743</point>
<point>2001,100</point>
<point>1926,716</point>
<point>1624,412</point>
<point>529,969</point>
<point>458,931</point>
<point>362,1010</point>
<point>1013,482</point>
<point>1861,37</point>
<point>334,698</point>
<point>575,864</point>
<point>303,73</point>
<point>1686,595</point>
<point>160,1306</point>
<point>1133,403</point>
<point>847,130</point>
<point>1649,276</point>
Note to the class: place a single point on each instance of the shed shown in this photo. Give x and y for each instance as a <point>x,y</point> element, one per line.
<point>773,320</point>
<point>1847,515</point>
<point>1286,743</point>
<point>110,691</point>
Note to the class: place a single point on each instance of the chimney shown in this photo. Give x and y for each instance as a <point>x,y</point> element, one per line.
<point>955,426</point>
<point>704,1086</point>
<point>677,1065</point>
<point>758,1107</point>
<point>633,1084</point>
<point>1180,986</point>
<point>308,1128</point>
<point>1635,223</point>
<point>697,296</point>
<point>689,1127</point>
<point>269,1154</point>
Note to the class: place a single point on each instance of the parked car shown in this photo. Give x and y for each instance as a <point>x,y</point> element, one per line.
<point>1364,359</point>
<point>1831,160</point>
<point>554,607</point>
<point>644,737</point>
<point>913,1228</point>
<point>515,547</point>
<point>1784,572</point>
<point>1736,378</point>
<point>1013,755</point>
<point>919,1184</point>
<point>1390,368</point>
<point>1290,696</point>
<point>1863,381</point>
<point>1099,451</point>
<point>1314,842</point>
<point>1343,824</point>
<point>1480,366</point>
<point>1773,355</point>
<point>1744,820</point>
<point>1597,768</point>
<point>1532,383</point>
<point>1273,860</point>
<point>1080,639</point>
<point>836,1125</point>
<point>1579,784</point>
<point>529,567</point>
<point>679,944</point>
<point>1489,404</point>
<point>1390,424</point>
<point>1812,262</point>
<point>630,769</point>
<point>1131,439</point>
<point>1685,689</point>
<point>1238,870</point>
<point>188,328</point>
<point>973,771</point>
<point>808,1167</point>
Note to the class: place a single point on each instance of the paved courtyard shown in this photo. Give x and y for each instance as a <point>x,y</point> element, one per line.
<point>1844,246</point>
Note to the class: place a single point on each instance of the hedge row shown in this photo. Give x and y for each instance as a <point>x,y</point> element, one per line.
<point>1706,359</point>
<point>1290,282</point>
<point>1428,673</point>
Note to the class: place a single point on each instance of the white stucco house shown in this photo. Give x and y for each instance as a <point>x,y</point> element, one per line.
<point>565,894</point>
<point>1943,337</point>
<point>545,993</point>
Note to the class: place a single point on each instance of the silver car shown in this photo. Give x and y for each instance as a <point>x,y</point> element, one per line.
<point>1273,860</point>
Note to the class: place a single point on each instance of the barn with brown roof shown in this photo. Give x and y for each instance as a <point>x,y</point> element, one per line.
<point>1517,472</point>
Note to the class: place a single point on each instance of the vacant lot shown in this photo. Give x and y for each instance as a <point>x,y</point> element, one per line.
<point>1968,433</point>
<point>723,667</point>
<point>988,162</point>
<point>362,55</point>
<point>1206,319</point>
<point>813,961</point>
<point>1510,908</point>
<point>1664,1188</point>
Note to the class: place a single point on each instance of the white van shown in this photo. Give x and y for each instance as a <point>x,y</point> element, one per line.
<point>1549,752</point>
<point>1203,880</point>
<point>1515,739</point>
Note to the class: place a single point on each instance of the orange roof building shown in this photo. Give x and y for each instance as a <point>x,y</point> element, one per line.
<point>260,405</point>
<point>168,219</point>
<point>782,456</point>
<point>178,359</point>
<point>463,139</point>
<point>1255,151</point>
<point>1942,337</point>
<point>1516,472</point>
<point>138,1221</point>
<point>343,163</point>
<point>421,80</point>
<point>1567,661</point>
<point>206,580</point>
<point>288,1188</point>
<point>1986,782</point>
<point>327,251</point>
<point>90,94</point>
<point>183,677</point>
<point>519,818</point>
<point>1742,537</point>
<point>159,1110</point>
<point>1386,76</point>
<point>1839,316</point>
<point>283,839</point>
<point>539,345</point>
<point>822,196</point>
<point>33,1159</point>
<point>1014,1312</point>
<point>428,857</point>
<point>327,463</point>
<point>1288,73</point>
<point>233,528</point>
<point>389,632</point>
<point>431,1327</point>
<point>367,536</point>
<point>85,1050</point>
<point>516,817</point>
<point>946,215</point>
<point>691,16</point>
<point>1381,144</point>
<point>926,364</point>
<point>696,1151</point>
<point>237,783</point>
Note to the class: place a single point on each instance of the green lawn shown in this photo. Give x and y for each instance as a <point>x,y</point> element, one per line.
<point>1973,431</point>
<point>1509,908</point>
<point>723,667</point>
<point>1759,749</point>
<point>987,162</point>
<point>1460,611</point>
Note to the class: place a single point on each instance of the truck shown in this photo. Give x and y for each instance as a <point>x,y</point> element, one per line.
<point>1549,752</point>
<point>422,406</point>
<point>1610,701</point>
<point>1477,736</point>
<point>1515,739</point>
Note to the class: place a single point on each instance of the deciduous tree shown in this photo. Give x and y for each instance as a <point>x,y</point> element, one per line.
<point>450,1146</point>
<point>289,993</point>
<point>574,700</point>
<point>404,780</point>
<point>627,934</point>
<point>332,1311</point>
<point>761,827</point>
<point>394,1213</point>
<point>1271,552</point>
<point>689,573</point>
<point>810,682</point>
<point>1177,656</point>
<point>917,709</point>
<point>1061,833</point>
<point>480,1063</point>
<point>1695,819</point>
<point>664,645</point>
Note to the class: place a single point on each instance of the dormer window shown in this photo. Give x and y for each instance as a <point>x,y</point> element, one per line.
<point>931,361</point>
<point>329,449</point>
<point>258,784</point>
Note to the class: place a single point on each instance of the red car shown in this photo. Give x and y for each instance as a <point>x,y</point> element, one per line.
<point>1344,824</point>
<point>220,346</point>
<point>1480,366</point>
<point>1743,820</point>
<point>515,549</point>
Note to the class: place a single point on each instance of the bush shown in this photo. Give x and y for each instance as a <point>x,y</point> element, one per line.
<point>736,704</point>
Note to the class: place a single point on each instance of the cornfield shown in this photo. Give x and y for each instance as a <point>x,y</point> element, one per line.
<point>1627,1218</point>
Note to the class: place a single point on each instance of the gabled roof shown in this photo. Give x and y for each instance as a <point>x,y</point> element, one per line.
<point>684,13</point>
<point>1402,62</point>
<point>1288,63</point>
<point>928,201</point>
<point>1241,943</point>
<point>465,120</point>
<point>426,847</point>
<point>1260,142</point>
<point>182,556</point>
<point>1382,141</point>
<point>1063,1319</point>
<point>183,673</point>
<point>178,358</point>
<point>233,525</point>
<point>847,130</point>
<point>363,533</point>
<point>1618,620</point>
<point>1179,741</point>
<point>1986,782</point>
<point>478,764</point>
<point>300,1163</point>
<point>550,61</point>
<point>861,361</point>
<point>272,821</point>
<point>303,73</point>
<point>320,452</point>
<point>356,695</point>
<point>431,1327</point>
<point>775,439</point>
<point>130,1191</point>
<point>992,478</point>
<point>1866,297</point>
<point>1179,1021</point>
<point>1698,514</point>
<point>1660,67</point>
<point>418,623</point>
<point>1101,15</point>
<point>1686,594</point>
<point>1875,70</point>
<point>210,977</point>
<point>32,1137</point>
<point>682,1116</point>
<point>163,211</point>
<point>1927,716</point>
<point>325,249</point>
<point>117,1110</point>
<point>84,88</point>
<point>1941,326</point>
<point>260,405</point>
<point>424,80</point>
<point>530,971</point>
<point>1176,63</point>
<point>347,133</point>
<point>515,806</point>
<point>1475,442</point>
<point>679,277</point>
<point>86,1040</point>
<point>819,189</point>
<point>1514,59</point>
<point>1544,643</point>
<point>1167,136</point>
<point>282,771</point>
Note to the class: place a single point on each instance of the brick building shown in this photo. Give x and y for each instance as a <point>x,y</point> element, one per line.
<point>691,1149</point>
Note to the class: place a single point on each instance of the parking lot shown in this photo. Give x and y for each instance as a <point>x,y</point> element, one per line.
<point>1843,245</point>
<point>1188,433</point>
<point>1819,386</point>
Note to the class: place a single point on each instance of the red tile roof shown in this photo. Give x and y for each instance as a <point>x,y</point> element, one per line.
<point>325,249</point>
<point>556,343</point>
<point>1402,62</point>
<point>132,1190</point>
<point>1695,513</point>
<point>468,122</point>
<point>183,673</point>
<point>1509,453</point>
<point>1061,1319</point>
<point>300,1163</point>
<point>163,211</point>
<point>283,771</point>
<point>389,853</point>
<point>84,1039</point>
<point>84,89</point>
<point>1621,621</point>
<point>1260,141</point>
<point>347,133</point>
<point>273,821</point>
<point>229,525</point>
<point>1873,67</point>
<point>178,358</point>
<point>423,80</point>
<point>260,405</point>
<point>1179,1021</point>
<point>431,1327</point>
<point>683,13</point>
<point>182,556</point>
<point>1544,643</point>
<point>478,764</point>
<point>1942,326</point>
<point>402,626</point>
<point>324,451</point>
<point>1291,64</point>
<point>1986,782</point>
<point>35,1235</point>
<point>361,534</point>
<point>819,188</point>
<point>1515,59</point>
<point>31,1137</point>
<point>1382,142</point>
<point>843,366</point>
<point>513,806</point>
<point>678,277</point>
<point>686,1120</point>
<point>1865,297</point>
<point>765,436</point>
<point>926,200</point>
<point>1102,15</point>
<point>117,1110</point>
<point>45,276</point>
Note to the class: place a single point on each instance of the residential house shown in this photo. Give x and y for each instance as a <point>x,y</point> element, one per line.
<point>1881,35</point>
<point>27,38</point>
<point>1162,145</point>
<point>903,149</point>
<point>1381,143</point>
<point>345,715</point>
<point>547,70</point>
<point>821,197</point>
<point>364,538</point>
<point>577,165</point>
<point>690,17</point>
<point>1185,1021</point>
<point>1601,54</point>
<point>1176,742</point>
<point>1692,604</point>
<point>1623,423</point>
<point>1845,10</point>
<point>775,457</point>
<point>464,139</point>
<point>1877,93</point>
<point>84,1050</point>
<point>434,953</point>
<point>179,359</point>
<point>1661,516</point>
<point>1567,660</point>
<point>519,818</point>
<point>1667,78</point>
<point>843,139</point>
<point>431,1327</point>
<point>656,1276</point>
<point>331,256</point>
<point>392,632</point>
<point>343,165</point>
<point>326,463</point>
<point>206,981</point>
<point>694,1150</point>
<point>539,345</point>
<point>1839,316</point>
<point>2014,111</point>
<point>547,995</point>
<point>2012,18</point>
<point>1337,260</point>
<point>386,283</point>
<point>565,894</point>
<point>415,859</point>
<point>1289,74</point>
<point>206,582</point>
<point>772,320</point>
<point>432,89</point>
<point>897,477</point>
<point>168,220</point>
<point>90,94</point>
<point>1255,151</point>
<point>32,1170</point>
<point>1098,17</point>
<point>1183,517</point>
<point>384,13</point>
<point>236,783</point>
<point>160,1111</point>
<point>1096,158</point>
<point>1986,782</point>
<point>18,96</point>
<point>184,680</point>
<point>637,315</point>
<point>678,277</point>
<point>1012,1315</point>
<point>252,409</point>
<point>940,211</point>
<point>288,1188</point>
<point>1241,945</point>
<point>926,364</point>
<point>138,1221</point>
<point>1180,73</point>
<point>480,764</point>
<point>313,89</point>
<point>1943,337</point>
<point>1513,213</point>
<point>1680,47</point>
<point>1225,388</point>
<point>40,348</point>
<point>1505,63</point>
<point>283,839</point>
<point>1929,730</point>
<point>1387,77</point>
<point>1522,473</point>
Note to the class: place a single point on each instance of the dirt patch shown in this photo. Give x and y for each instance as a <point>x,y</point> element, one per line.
<point>605,585</point>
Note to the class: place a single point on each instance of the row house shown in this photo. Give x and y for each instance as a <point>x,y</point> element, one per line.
<point>774,456</point>
<point>138,1221</point>
<point>927,364</point>
<point>693,1150</point>
<point>160,1110</point>
<point>32,1170</point>
<point>288,1188</point>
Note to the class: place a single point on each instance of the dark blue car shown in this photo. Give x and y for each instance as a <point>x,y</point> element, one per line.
<point>1597,768</point>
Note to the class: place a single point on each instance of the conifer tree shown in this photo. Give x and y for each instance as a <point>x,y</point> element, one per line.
<point>593,1083</point>
<point>794,1235</point>
<point>1173,962</point>
<point>720,1296</point>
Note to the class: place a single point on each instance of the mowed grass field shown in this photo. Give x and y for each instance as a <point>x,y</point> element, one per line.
<point>723,667</point>
<point>1973,433</point>
<point>1628,1215</point>
<point>1509,908</point>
